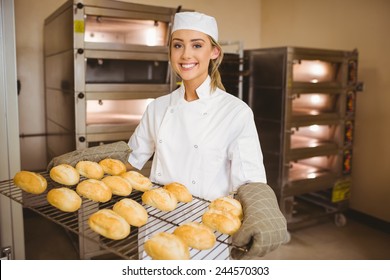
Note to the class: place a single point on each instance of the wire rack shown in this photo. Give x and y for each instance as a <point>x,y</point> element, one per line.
<point>93,244</point>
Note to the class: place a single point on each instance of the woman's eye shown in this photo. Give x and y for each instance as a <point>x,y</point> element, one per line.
<point>197,46</point>
<point>177,46</point>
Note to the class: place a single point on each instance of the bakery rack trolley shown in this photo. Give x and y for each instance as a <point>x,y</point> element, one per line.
<point>130,248</point>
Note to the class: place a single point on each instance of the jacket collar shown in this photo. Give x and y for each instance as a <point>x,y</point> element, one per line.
<point>203,91</point>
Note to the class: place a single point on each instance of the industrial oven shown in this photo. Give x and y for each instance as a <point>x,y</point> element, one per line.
<point>304,107</point>
<point>104,62</point>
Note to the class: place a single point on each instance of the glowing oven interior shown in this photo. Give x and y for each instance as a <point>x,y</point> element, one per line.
<point>316,71</point>
<point>125,31</point>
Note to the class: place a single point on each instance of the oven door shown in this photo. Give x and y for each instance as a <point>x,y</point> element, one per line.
<point>11,214</point>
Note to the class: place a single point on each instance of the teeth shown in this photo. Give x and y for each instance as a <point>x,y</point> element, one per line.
<point>188,65</point>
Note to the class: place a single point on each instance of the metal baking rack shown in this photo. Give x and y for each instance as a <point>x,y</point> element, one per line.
<point>92,244</point>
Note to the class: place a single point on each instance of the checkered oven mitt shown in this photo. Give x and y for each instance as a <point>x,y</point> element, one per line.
<point>264,227</point>
<point>117,150</point>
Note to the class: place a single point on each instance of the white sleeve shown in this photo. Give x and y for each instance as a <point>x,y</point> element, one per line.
<point>142,142</point>
<point>246,155</point>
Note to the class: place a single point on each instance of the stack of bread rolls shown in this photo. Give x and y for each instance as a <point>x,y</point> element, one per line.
<point>224,215</point>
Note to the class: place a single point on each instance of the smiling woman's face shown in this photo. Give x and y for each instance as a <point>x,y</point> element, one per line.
<point>191,52</point>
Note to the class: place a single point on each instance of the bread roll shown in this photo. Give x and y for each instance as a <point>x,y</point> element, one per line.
<point>65,199</point>
<point>65,174</point>
<point>196,235</point>
<point>112,166</point>
<point>90,169</point>
<point>118,185</point>
<point>94,190</point>
<point>133,212</point>
<point>180,191</point>
<point>221,221</point>
<point>109,224</point>
<point>227,204</point>
<point>30,182</point>
<point>137,180</point>
<point>166,246</point>
<point>160,199</point>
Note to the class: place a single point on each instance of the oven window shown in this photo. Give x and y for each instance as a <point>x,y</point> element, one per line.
<point>316,71</point>
<point>126,71</point>
<point>101,29</point>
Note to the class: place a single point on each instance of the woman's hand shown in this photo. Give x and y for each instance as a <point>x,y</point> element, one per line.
<point>264,228</point>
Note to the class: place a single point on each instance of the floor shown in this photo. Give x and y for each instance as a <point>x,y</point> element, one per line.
<point>357,240</point>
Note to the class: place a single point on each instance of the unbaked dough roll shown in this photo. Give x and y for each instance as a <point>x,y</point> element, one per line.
<point>90,169</point>
<point>30,182</point>
<point>109,224</point>
<point>137,180</point>
<point>227,204</point>
<point>94,190</point>
<point>160,199</point>
<point>118,185</point>
<point>133,212</point>
<point>65,199</point>
<point>65,174</point>
<point>166,246</point>
<point>180,191</point>
<point>112,166</point>
<point>196,235</point>
<point>221,221</point>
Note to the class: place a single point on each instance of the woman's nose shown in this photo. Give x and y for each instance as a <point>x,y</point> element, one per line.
<point>186,52</point>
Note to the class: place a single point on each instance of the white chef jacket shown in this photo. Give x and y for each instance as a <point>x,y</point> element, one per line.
<point>210,144</point>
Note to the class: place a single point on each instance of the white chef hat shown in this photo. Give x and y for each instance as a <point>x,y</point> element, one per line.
<point>196,21</point>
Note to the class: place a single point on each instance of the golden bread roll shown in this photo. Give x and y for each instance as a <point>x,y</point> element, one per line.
<point>137,180</point>
<point>221,221</point>
<point>133,212</point>
<point>112,166</point>
<point>180,191</point>
<point>94,190</point>
<point>65,199</point>
<point>109,224</point>
<point>30,182</point>
<point>160,199</point>
<point>227,204</point>
<point>118,185</point>
<point>90,169</point>
<point>196,235</point>
<point>166,246</point>
<point>65,174</point>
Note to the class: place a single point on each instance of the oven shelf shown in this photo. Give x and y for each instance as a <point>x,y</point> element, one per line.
<point>305,147</point>
<point>128,248</point>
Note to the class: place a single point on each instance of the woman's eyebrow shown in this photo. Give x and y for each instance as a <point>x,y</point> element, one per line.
<point>192,40</point>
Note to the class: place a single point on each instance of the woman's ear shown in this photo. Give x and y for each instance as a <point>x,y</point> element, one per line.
<point>215,53</point>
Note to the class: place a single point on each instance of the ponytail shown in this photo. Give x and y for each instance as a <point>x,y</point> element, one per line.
<point>216,81</point>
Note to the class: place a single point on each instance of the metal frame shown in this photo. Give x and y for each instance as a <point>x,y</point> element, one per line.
<point>270,91</point>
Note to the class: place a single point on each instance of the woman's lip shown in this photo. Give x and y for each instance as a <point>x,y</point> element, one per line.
<point>188,65</point>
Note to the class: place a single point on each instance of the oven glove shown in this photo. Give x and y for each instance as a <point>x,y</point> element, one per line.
<point>264,228</point>
<point>117,150</point>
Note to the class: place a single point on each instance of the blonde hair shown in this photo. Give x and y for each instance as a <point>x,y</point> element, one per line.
<point>216,81</point>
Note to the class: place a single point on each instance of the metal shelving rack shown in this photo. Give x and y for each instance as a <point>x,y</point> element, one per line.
<point>304,105</point>
<point>103,60</point>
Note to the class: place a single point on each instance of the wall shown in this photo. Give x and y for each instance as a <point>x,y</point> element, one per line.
<point>30,16</point>
<point>346,25</point>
